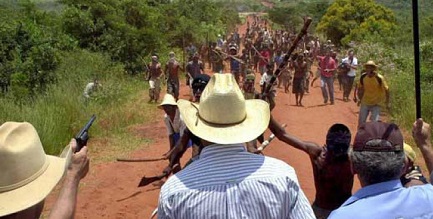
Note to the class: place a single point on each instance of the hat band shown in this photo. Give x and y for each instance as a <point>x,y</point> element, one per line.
<point>213,123</point>
<point>28,180</point>
<point>219,124</point>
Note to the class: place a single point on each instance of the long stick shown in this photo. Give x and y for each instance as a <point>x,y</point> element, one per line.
<point>287,56</point>
<point>260,55</point>
<point>231,56</point>
<point>417,62</point>
<point>141,159</point>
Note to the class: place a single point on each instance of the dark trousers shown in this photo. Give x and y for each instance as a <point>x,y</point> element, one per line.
<point>347,85</point>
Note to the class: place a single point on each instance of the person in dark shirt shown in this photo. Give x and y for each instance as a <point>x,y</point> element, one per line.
<point>333,178</point>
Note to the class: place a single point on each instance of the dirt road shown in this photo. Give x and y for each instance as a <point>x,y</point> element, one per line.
<point>110,189</point>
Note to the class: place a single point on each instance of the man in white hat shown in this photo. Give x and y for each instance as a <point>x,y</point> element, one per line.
<point>373,92</point>
<point>227,181</point>
<point>174,124</point>
<point>28,175</point>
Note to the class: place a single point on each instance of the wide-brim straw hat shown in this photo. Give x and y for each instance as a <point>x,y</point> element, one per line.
<point>370,63</point>
<point>168,100</point>
<point>223,115</point>
<point>27,174</point>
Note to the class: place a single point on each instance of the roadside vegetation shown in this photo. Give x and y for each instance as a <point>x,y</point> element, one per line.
<point>51,50</point>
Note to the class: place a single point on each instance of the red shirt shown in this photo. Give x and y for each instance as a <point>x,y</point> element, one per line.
<point>265,55</point>
<point>327,63</point>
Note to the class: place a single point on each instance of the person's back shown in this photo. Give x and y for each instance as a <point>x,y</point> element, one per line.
<point>227,181</point>
<point>393,201</point>
<point>233,183</point>
<point>333,181</point>
<point>378,159</point>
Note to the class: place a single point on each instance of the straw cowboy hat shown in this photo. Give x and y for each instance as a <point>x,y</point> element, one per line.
<point>223,115</point>
<point>27,174</point>
<point>168,100</point>
<point>370,63</point>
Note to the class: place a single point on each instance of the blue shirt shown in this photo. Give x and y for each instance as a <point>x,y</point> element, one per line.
<point>229,182</point>
<point>388,200</point>
<point>234,64</point>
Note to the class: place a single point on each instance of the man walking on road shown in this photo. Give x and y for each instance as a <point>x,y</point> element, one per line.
<point>172,75</point>
<point>327,67</point>
<point>351,63</point>
<point>373,92</point>
<point>299,76</point>
<point>154,79</point>
<point>193,69</point>
<point>227,181</point>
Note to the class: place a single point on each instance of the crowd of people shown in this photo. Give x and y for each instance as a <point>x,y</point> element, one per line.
<point>224,122</point>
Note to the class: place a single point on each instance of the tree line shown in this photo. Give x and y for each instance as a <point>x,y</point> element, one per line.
<point>127,30</point>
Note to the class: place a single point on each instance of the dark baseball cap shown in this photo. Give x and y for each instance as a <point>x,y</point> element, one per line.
<point>378,137</point>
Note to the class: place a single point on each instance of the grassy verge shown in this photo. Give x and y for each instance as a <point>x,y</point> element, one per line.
<point>61,111</point>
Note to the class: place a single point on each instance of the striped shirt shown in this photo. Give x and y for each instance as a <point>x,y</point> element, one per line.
<point>229,182</point>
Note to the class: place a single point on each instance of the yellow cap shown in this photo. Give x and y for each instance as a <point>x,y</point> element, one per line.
<point>410,153</point>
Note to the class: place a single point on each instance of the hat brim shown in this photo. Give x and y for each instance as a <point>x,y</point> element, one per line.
<point>166,104</point>
<point>255,123</point>
<point>34,192</point>
<point>375,66</point>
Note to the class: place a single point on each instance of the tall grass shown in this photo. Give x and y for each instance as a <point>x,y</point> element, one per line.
<point>61,111</point>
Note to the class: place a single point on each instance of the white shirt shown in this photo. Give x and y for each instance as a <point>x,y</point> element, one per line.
<point>267,79</point>
<point>352,72</point>
<point>264,79</point>
<point>175,126</point>
<point>89,89</point>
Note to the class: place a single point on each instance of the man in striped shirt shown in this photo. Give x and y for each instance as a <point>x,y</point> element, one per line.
<point>227,181</point>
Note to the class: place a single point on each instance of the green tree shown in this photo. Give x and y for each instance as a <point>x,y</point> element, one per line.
<point>287,16</point>
<point>29,52</point>
<point>347,21</point>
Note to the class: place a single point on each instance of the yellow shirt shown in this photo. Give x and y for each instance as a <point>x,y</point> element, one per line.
<point>374,93</point>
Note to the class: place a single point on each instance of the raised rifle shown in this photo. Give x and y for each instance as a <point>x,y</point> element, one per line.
<point>83,135</point>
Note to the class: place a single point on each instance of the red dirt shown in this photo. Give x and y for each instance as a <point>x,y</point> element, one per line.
<point>110,189</point>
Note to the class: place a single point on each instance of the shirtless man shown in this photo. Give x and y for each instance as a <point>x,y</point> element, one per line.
<point>333,178</point>
<point>193,69</point>
<point>155,73</point>
<point>172,74</point>
<point>300,67</point>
